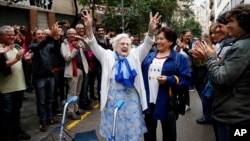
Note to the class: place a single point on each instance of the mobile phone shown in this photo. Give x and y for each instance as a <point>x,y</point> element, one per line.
<point>202,41</point>
<point>60,22</point>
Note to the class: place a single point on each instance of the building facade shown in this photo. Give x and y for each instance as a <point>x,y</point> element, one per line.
<point>220,6</point>
<point>201,14</point>
<point>36,13</point>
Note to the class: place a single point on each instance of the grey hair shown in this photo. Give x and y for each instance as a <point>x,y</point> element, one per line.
<point>70,30</point>
<point>117,39</point>
<point>5,28</point>
<point>78,25</point>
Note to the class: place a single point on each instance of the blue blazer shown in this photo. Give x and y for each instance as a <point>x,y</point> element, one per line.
<point>179,68</point>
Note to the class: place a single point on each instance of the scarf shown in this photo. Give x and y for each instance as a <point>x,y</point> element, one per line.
<point>74,60</point>
<point>124,74</point>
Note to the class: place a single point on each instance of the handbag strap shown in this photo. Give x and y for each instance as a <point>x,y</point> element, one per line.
<point>175,62</point>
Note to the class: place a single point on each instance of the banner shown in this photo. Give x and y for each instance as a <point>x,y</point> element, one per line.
<point>102,9</point>
<point>44,4</point>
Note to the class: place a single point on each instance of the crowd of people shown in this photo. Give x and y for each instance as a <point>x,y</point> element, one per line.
<point>60,64</point>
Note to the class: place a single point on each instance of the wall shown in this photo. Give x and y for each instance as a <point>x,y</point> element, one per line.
<point>11,16</point>
<point>35,15</point>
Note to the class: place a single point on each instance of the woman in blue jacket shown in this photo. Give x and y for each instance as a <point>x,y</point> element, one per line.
<point>163,70</point>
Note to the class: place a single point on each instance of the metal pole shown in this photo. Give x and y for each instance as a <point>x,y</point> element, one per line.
<point>122,16</point>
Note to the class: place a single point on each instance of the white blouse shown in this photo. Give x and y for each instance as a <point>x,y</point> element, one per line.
<point>154,71</point>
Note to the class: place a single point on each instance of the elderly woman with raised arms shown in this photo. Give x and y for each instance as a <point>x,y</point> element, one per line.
<point>122,80</point>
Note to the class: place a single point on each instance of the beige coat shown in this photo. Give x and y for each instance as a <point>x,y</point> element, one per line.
<point>68,55</point>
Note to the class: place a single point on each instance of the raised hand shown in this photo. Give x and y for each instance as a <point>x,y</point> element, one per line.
<point>88,22</point>
<point>153,22</point>
<point>55,31</point>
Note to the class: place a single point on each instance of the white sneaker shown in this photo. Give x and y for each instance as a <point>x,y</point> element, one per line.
<point>191,90</point>
<point>188,108</point>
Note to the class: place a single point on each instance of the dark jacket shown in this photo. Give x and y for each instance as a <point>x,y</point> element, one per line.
<point>180,68</point>
<point>232,83</point>
<point>57,58</point>
<point>3,65</point>
<point>41,61</point>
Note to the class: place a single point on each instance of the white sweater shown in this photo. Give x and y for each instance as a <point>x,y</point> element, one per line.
<point>107,60</point>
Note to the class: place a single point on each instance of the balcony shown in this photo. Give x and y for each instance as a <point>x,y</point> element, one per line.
<point>212,15</point>
<point>211,4</point>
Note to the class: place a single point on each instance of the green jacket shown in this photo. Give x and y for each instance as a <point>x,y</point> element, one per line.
<point>231,80</point>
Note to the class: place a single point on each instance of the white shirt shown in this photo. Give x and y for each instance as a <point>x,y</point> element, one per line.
<point>154,71</point>
<point>15,81</point>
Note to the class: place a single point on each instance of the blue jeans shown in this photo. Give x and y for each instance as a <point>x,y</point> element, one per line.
<point>207,99</point>
<point>10,105</point>
<point>221,131</point>
<point>207,107</point>
<point>44,97</point>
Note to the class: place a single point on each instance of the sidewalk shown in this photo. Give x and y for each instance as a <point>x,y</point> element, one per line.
<point>30,121</point>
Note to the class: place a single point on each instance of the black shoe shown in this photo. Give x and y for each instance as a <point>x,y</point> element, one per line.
<point>22,136</point>
<point>58,112</point>
<point>204,121</point>
<point>74,117</point>
<point>53,121</point>
<point>87,107</point>
<point>44,127</point>
<point>80,112</point>
<point>93,97</point>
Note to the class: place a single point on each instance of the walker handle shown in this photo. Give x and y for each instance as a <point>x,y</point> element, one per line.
<point>72,99</point>
<point>119,104</point>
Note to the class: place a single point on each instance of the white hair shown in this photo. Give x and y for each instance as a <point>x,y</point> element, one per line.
<point>5,28</point>
<point>117,39</point>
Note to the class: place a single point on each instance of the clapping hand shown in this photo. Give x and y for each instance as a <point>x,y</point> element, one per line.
<point>209,50</point>
<point>4,49</point>
<point>78,37</point>
<point>19,54</point>
<point>202,50</point>
<point>197,52</point>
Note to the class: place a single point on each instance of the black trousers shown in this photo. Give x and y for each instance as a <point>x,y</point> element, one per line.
<point>168,126</point>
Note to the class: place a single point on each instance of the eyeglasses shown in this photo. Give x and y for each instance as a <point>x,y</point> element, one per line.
<point>127,44</point>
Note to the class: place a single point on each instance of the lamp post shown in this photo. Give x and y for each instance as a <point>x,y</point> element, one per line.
<point>122,16</point>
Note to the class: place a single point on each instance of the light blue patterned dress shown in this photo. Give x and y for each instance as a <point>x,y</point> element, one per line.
<point>130,125</point>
